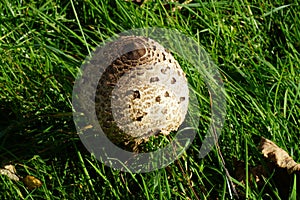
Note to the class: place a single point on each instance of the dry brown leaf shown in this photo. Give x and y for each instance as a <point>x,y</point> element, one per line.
<point>10,172</point>
<point>283,164</point>
<point>31,182</point>
<point>277,155</point>
<point>277,162</point>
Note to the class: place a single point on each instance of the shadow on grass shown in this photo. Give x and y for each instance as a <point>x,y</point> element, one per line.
<point>49,148</point>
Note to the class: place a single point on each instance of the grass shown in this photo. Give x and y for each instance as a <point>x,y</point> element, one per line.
<point>255,44</point>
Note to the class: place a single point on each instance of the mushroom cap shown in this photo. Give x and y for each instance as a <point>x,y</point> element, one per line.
<point>142,92</point>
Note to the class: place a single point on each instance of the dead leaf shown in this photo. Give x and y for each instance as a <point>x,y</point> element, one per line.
<point>10,172</point>
<point>31,182</point>
<point>277,155</point>
<point>282,164</point>
<point>278,163</point>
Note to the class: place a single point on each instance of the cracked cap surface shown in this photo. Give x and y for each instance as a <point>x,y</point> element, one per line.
<point>141,93</point>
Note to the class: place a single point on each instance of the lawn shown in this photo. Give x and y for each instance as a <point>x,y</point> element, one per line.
<point>254,44</point>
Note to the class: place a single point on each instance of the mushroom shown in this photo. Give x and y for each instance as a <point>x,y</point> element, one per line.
<point>142,92</point>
